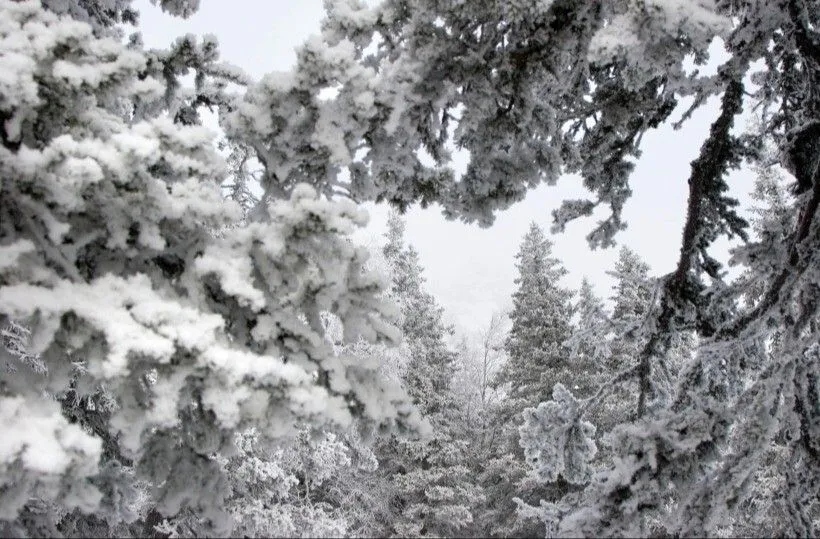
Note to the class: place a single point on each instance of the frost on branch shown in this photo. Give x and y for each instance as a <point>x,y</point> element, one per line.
<point>110,257</point>
<point>104,16</point>
<point>531,89</point>
<point>16,339</point>
<point>556,441</point>
<point>642,34</point>
<point>180,8</point>
<point>39,448</point>
<point>211,79</point>
<point>290,489</point>
<point>558,445</point>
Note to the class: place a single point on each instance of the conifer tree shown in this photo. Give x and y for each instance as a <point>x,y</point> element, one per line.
<point>632,291</point>
<point>433,492</point>
<point>631,299</point>
<point>537,359</point>
<point>632,308</point>
<point>589,342</point>
<point>540,318</point>
<point>766,510</point>
<point>160,324</point>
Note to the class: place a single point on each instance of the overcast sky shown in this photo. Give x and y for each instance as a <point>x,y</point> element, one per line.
<point>470,269</point>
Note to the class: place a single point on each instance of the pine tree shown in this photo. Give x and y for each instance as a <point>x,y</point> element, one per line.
<point>537,359</point>
<point>631,303</point>
<point>632,309</point>
<point>541,314</point>
<point>633,293</point>
<point>160,324</point>
<point>589,343</point>
<point>590,354</point>
<point>433,490</point>
<point>432,365</point>
<point>767,510</point>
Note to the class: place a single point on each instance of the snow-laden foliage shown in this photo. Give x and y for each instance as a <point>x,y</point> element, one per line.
<point>286,490</point>
<point>589,343</point>
<point>16,339</point>
<point>526,87</point>
<point>146,321</point>
<point>555,441</point>
<point>533,90</point>
<point>433,490</point>
<point>559,447</point>
<point>110,258</point>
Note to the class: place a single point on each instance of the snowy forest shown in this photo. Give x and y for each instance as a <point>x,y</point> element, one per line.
<point>195,344</point>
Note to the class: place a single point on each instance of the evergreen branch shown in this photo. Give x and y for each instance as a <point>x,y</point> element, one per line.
<point>705,183</point>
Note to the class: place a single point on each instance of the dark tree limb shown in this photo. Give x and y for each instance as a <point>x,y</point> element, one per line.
<point>682,288</point>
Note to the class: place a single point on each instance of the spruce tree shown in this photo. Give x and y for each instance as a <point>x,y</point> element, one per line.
<point>632,307</point>
<point>160,324</point>
<point>589,343</point>
<point>540,325</point>
<point>433,492</point>
<point>631,298</point>
<point>632,289</point>
<point>538,358</point>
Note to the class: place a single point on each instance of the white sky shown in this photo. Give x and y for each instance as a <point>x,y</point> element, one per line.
<point>469,269</point>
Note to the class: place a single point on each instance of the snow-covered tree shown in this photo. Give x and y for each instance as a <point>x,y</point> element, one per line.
<point>631,301</point>
<point>589,343</point>
<point>433,488</point>
<point>767,506</point>
<point>158,328</point>
<point>536,89</point>
<point>541,315</point>
<point>537,359</point>
<point>432,364</point>
<point>590,347</point>
<point>633,294</point>
<point>480,355</point>
<point>297,488</point>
